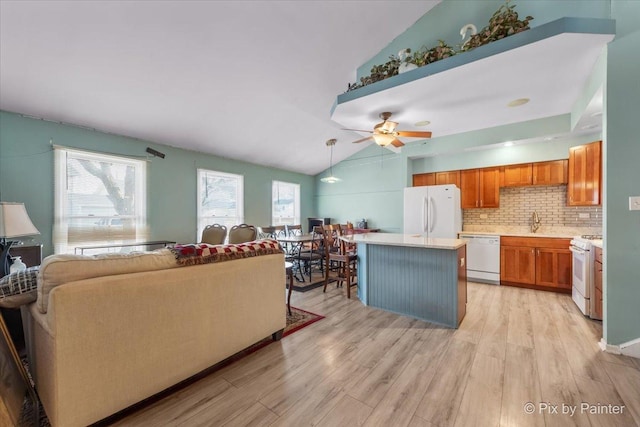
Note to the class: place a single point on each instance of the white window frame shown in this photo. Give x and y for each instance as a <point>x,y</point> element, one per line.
<point>62,217</point>
<point>278,220</point>
<point>228,221</point>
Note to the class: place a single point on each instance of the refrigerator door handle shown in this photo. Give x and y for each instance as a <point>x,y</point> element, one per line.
<point>424,213</point>
<point>431,215</point>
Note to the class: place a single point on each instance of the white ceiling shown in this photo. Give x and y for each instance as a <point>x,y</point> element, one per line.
<point>249,80</point>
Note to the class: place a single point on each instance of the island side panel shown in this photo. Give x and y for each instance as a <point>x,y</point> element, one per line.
<point>462,283</point>
<point>362,273</point>
<point>418,282</point>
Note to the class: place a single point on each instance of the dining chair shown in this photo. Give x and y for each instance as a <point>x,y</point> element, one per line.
<point>340,263</point>
<point>281,231</point>
<point>310,253</point>
<point>267,232</point>
<point>242,233</point>
<point>294,230</point>
<point>214,234</point>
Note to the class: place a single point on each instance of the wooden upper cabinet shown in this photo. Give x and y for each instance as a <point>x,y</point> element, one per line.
<point>480,188</point>
<point>550,173</point>
<point>585,167</point>
<point>517,175</point>
<point>469,188</point>
<point>450,177</point>
<point>421,179</point>
<point>489,187</point>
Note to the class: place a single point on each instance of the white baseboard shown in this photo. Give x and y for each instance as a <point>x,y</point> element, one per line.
<point>630,348</point>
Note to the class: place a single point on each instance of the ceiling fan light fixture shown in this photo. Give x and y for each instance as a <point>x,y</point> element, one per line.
<point>383,139</point>
<point>331,179</point>
<point>388,126</point>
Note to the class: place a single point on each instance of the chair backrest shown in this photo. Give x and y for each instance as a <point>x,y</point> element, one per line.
<point>267,232</point>
<point>214,234</point>
<point>281,231</point>
<point>294,230</point>
<point>242,233</point>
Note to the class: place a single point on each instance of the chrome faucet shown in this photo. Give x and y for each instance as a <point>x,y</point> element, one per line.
<point>536,222</point>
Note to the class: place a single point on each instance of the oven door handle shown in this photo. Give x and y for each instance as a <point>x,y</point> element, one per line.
<point>577,250</point>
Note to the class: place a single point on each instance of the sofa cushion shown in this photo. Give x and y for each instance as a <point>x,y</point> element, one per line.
<point>19,288</point>
<point>203,253</point>
<point>59,269</point>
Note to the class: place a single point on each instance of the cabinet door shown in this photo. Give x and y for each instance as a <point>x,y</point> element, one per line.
<point>583,188</point>
<point>550,173</point>
<point>451,177</point>
<point>517,175</point>
<point>469,189</point>
<point>553,268</point>
<point>421,179</point>
<point>598,296</point>
<point>489,184</point>
<point>517,265</point>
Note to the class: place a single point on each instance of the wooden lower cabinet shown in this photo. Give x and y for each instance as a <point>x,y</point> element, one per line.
<point>517,264</point>
<point>597,276</point>
<point>553,268</point>
<point>536,262</point>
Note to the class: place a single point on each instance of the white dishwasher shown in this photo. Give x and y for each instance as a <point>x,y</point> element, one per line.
<point>483,258</point>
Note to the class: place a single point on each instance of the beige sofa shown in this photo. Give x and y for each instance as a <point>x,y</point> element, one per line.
<point>100,344</point>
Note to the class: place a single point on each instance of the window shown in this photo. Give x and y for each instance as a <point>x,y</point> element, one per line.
<point>285,203</point>
<point>220,199</point>
<point>99,200</point>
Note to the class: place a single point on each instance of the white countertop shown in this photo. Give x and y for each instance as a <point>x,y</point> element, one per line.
<point>597,243</point>
<point>407,240</point>
<point>525,231</point>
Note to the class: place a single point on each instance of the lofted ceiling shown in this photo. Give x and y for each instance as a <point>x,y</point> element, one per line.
<point>542,71</point>
<point>248,80</point>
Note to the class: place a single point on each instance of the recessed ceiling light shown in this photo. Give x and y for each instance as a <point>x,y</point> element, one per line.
<point>518,102</point>
<point>422,123</point>
<point>508,143</point>
<point>591,126</point>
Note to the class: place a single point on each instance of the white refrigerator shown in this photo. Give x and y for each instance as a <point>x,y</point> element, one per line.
<point>433,211</point>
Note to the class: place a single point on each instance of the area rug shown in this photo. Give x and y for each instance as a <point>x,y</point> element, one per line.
<point>297,320</point>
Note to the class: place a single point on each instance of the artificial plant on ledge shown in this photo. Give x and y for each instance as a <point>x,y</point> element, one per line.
<point>503,23</point>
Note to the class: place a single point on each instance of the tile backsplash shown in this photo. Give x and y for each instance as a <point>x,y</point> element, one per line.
<point>518,203</point>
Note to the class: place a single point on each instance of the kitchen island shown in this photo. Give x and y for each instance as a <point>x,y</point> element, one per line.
<point>416,276</point>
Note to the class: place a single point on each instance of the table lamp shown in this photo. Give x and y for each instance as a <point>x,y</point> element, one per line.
<point>14,222</point>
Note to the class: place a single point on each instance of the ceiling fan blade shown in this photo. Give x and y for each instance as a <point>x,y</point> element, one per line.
<point>413,134</point>
<point>362,140</point>
<point>358,130</point>
<point>397,143</point>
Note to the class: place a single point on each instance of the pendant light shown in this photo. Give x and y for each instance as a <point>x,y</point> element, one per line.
<point>330,179</point>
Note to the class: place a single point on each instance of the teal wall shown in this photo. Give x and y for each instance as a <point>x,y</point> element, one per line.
<point>26,175</point>
<point>372,188</point>
<point>622,177</point>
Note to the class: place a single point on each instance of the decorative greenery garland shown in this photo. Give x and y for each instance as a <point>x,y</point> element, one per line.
<point>503,23</point>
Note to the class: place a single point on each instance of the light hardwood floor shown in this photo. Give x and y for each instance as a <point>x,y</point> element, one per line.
<point>363,366</point>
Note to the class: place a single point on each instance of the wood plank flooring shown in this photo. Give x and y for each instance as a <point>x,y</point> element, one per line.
<point>364,366</point>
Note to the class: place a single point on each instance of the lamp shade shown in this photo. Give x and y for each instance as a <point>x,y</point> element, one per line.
<point>14,221</point>
<point>383,139</point>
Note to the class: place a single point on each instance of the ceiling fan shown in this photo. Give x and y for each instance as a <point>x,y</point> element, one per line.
<point>385,133</point>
